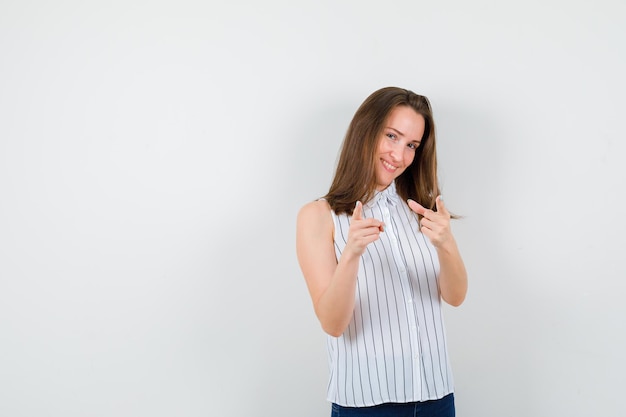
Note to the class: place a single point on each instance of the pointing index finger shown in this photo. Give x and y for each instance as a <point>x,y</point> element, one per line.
<point>416,207</point>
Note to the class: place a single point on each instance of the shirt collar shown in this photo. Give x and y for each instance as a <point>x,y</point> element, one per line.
<point>388,195</point>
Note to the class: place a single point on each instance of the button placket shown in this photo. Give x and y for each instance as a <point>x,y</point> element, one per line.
<point>410,302</point>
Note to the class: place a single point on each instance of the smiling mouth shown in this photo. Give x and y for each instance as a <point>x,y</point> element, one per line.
<point>388,165</point>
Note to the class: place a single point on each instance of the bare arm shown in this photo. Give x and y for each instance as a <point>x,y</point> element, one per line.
<point>332,283</point>
<point>452,275</point>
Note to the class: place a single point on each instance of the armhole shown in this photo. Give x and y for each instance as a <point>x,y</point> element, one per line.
<point>334,218</point>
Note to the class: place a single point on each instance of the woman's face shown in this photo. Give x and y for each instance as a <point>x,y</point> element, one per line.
<point>402,133</point>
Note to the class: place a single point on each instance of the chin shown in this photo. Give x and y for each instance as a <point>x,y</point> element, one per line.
<point>381,186</point>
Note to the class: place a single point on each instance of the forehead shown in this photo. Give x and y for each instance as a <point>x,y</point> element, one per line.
<point>407,121</point>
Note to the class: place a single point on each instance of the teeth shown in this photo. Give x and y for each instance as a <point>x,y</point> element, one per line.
<point>389,166</point>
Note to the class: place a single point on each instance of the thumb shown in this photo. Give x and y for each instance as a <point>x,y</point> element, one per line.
<point>357,214</point>
<point>441,208</point>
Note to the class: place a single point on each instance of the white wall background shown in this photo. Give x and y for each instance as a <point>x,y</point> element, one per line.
<point>153,157</point>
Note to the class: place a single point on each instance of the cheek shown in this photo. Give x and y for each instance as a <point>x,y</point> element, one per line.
<point>409,155</point>
<point>383,146</point>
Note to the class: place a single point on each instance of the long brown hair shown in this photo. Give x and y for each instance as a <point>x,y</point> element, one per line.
<point>355,176</point>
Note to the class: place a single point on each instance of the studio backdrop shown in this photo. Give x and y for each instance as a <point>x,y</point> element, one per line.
<point>154,155</point>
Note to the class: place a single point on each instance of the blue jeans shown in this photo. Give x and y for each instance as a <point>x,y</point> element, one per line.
<point>435,408</point>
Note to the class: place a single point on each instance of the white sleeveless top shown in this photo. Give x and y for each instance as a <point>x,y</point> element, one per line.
<point>394,349</point>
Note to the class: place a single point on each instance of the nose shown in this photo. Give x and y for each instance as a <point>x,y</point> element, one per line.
<point>396,151</point>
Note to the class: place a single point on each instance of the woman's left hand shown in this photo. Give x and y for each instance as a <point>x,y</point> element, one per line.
<point>434,224</point>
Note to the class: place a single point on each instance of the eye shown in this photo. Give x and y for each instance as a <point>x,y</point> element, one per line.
<point>413,145</point>
<point>392,136</point>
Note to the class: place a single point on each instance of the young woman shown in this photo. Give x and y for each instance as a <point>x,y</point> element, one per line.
<point>378,258</point>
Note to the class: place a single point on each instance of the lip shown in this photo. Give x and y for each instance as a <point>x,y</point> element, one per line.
<point>388,166</point>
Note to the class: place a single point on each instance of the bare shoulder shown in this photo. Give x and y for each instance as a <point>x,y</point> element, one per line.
<point>314,218</point>
<point>318,210</point>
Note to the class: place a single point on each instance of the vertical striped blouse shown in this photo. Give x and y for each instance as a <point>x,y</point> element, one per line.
<point>394,349</point>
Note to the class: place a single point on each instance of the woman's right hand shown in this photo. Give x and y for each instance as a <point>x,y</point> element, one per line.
<point>362,231</point>
<point>332,281</point>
